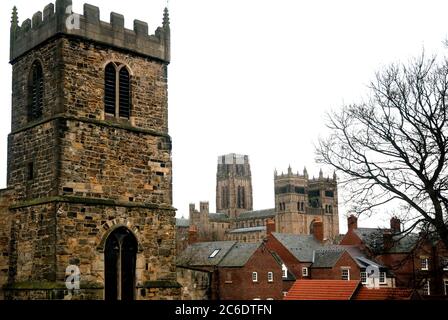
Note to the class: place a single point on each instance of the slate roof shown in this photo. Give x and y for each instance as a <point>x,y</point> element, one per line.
<point>231,254</point>
<point>182,222</point>
<point>322,290</point>
<point>300,246</point>
<point>197,254</point>
<point>250,229</point>
<point>257,214</point>
<point>239,254</point>
<point>218,217</point>
<point>327,258</point>
<point>365,293</point>
<point>373,239</point>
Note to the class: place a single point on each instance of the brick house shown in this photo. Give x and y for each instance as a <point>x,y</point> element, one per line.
<point>338,262</point>
<point>294,251</point>
<point>308,257</point>
<point>417,261</point>
<point>229,270</point>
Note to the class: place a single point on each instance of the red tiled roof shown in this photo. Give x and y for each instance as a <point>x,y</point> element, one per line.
<point>365,293</point>
<point>322,290</point>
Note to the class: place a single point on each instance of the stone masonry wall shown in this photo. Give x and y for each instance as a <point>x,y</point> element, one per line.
<point>49,56</point>
<point>43,250</point>
<point>5,227</point>
<point>37,145</point>
<point>84,64</point>
<point>113,163</point>
<point>32,243</point>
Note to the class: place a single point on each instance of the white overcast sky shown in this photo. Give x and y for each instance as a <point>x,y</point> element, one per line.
<point>256,77</point>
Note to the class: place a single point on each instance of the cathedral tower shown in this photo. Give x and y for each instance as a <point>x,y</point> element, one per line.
<point>301,201</point>
<point>89,157</point>
<point>233,185</point>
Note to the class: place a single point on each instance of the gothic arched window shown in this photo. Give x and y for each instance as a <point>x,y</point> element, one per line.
<point>36,91</point>
<point>117,90</point>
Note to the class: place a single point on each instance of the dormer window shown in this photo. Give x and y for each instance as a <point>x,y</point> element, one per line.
<point>35,91</point>
<point>117,91</point>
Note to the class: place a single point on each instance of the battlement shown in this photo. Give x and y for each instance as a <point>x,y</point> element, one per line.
<point>233,158</point>
<point>60,19</point>
<point>291,175</point>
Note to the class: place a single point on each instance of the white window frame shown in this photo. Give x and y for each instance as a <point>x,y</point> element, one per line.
<point>254,276</point>
<point>445,263</point>
<point>270,276</point>
<point>445,286</point>
<point>382,277</point>
<point>304,271</point>
<point>348,274</point>
<point>270,299</point>
<point>362,275</point>
<point>424,267</point>
<point>284,271</point>
<point>427,288</point>
<point>214,253</point>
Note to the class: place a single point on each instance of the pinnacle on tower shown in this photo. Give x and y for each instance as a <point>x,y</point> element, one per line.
<point>289,170</point>
<point>15,18</point>
<point>334,175</point>
<point>166,18</point>
<point>321,174</point>
<point>305,172</point>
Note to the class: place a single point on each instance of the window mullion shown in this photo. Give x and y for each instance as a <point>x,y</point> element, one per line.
<point>117,92</point>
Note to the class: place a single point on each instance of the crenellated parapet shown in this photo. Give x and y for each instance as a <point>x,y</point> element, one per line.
<point>59,19</point>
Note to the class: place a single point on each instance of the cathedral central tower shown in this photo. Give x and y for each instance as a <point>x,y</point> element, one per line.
<point>233,185</point>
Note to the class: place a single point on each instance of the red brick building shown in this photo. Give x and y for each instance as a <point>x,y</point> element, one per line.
<point>308,257</point>
<point>417,260</point>
<point>294,251</point>
<point>228,270</point>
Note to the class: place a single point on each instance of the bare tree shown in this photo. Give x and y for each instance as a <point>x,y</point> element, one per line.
<point>394,146</point>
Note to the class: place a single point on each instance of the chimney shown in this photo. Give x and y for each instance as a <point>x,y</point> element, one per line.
<point>270,227</point>
<point>395,225</point>
<point>388,241</point>
<point>318,231</point>
<point>352,222</point>
<point>192,234</point>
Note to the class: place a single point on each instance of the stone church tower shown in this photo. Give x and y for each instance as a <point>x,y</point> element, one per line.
<point>89,160</point>
<point>233,185</point>
<point>300,201</point>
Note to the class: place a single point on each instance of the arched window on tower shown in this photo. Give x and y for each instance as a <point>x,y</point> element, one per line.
<point>239,198</point>
<point>36,91</point>
<point>243,197</point>
<point>117,91</point>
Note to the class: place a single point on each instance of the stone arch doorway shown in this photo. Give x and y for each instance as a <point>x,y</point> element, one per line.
<point>120,256</point>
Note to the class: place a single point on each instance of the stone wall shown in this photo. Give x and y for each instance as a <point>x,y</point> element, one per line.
<point>5,229</point>
<point>113,163</point>
<point>49,55</point>
<point>195,284</point>
<point>84,65</point>
<point>43,249</point>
